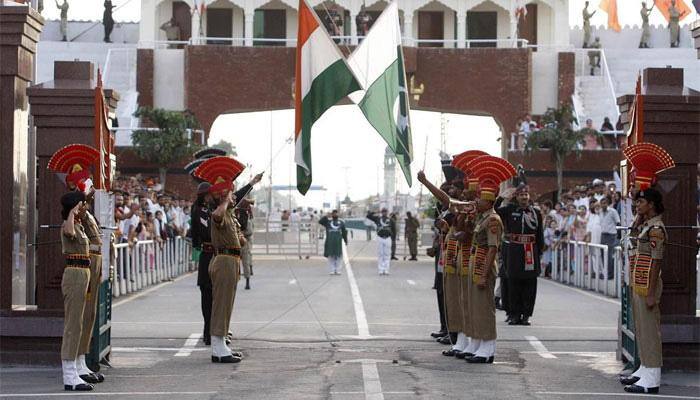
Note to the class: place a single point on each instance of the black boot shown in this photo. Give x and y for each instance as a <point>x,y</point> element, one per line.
<point>247,283</point>
<point>497,301</point>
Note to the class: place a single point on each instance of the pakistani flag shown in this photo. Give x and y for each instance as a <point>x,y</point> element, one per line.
<point>322,79</point>
<point>378,63</point>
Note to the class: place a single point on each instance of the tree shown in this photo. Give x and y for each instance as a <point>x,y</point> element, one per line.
<point>227,147</point>
<point>559,136</point>
<point>171,143</point>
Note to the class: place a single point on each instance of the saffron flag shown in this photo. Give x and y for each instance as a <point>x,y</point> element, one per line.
<point>322,78</point>
<point>610,7</point>
<point>663,6</point>
<point>378,63</point>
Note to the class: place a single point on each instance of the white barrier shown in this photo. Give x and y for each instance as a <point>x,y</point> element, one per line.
<point>585,265</point>
<point>148,263</point>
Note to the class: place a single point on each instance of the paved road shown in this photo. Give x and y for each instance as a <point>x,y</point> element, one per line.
<point>308,335</point>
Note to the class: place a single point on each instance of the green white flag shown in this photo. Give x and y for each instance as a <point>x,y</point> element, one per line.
<point>378,64</point>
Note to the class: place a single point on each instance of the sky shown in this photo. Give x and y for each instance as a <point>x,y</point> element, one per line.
<point>129,10</point>
<point>347,158</point>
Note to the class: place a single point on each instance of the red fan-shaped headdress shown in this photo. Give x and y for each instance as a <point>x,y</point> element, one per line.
<point>648,159</point>
<point>220,172</point>
<point>460,162</point>
<point>74,160</point>
<point>491,172</point>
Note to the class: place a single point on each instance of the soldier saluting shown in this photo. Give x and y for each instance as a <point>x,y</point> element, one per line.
<point>491,172</point>
<point>645,265</point>
<point>82,270</point>
<point>227,240</point>
<point>384,233</point>
<point>522,245</point>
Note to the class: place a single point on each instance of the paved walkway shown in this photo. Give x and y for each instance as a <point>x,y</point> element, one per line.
<point>308,335</point>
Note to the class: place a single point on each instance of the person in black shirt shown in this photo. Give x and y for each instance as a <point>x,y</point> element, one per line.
<point>201,240</point>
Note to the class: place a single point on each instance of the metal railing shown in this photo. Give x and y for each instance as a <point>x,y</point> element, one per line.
<point>585,265</point>
<point>148,263</point>
<point>344,39</point>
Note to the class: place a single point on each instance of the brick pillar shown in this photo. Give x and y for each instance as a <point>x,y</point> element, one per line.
<point>671,121</point>
<point>566,77</point>
<point>64,113</point>
<point>19,32</point>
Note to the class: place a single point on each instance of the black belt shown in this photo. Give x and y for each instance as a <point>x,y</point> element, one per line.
<point>77,260</point>
<point>383,235</point>
<point>227,251</point>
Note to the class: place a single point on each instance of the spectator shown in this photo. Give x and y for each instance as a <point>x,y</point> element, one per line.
<point>578,227</point>
<point>607,125</point>
<point>549,239</point>
<point>598,189</point>
<point>590,138</point>
<point>609,220</point>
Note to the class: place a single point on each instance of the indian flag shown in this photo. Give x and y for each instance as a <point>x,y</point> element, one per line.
<point>322,79</point>
<point>378,62</point>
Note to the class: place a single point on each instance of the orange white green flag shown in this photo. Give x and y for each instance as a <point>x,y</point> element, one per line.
<point>322,78</point>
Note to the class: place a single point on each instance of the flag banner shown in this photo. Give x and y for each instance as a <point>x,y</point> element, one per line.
<point>379,65</point>
<point>610,7</point>
<point>322,78</point>
<point>664,5</point>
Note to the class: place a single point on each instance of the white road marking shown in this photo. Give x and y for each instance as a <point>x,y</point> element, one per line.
<point>149,290</point>
<point>187,348</point>
<point>576,353</point>
<point>293,282</point>
<point>656,396</point>
<point>411,282</point>
<point>539,347</point>
<point>370,378</point>
<point>142,349</point>
<point>94,394</point>
<point>360,316</point>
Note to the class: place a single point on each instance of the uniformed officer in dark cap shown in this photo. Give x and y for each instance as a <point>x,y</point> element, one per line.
<point>522,246</point>
<point>201,240</point>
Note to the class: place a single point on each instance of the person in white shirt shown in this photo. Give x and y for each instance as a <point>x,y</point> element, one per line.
<point>609,220</point>
<point>599,189</point>
<point>294,220</point>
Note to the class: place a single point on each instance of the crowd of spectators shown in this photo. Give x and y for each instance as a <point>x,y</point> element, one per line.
<point>587,213</point>
<point>144,212</point>
<point>607,137</point>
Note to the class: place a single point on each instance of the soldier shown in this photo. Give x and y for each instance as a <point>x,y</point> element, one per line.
<point>201,240</point>
<point>81,240</point>
<point>107,20</point>
<point>394,235</point>
<point>336,234</point>
<point>646,33</point>
<point>227,240</point>
<point>645,265</point>
<point>466,215</point>
<point>522,246</point>
<point>491,172</point>
<point>411,234</point>
<point>587,25</point>
<point>674,29</point>
<point>384,233</point>
<point>244,214</point>
<point>449,258</point>
<point>64,19</point>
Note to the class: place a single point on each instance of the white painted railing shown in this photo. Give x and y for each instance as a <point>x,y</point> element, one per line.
<point>148,263</point>
<point>347,40</point>
<point>585,265</point>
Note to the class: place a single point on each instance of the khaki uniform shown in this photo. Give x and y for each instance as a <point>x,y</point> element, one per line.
<point>224,271</point>
<point>482,309</point>
<point>74,285</point>
<point>466,284</point>
<point>451,282</point>
<point>647,322</point>
<point>94,234</point>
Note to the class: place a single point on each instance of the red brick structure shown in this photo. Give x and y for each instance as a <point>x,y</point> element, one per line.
<point>567,76</point>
